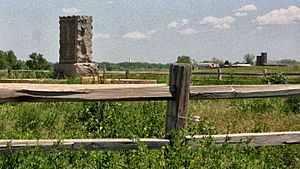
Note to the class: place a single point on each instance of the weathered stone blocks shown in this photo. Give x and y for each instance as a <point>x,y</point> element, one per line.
<point>75,47</point>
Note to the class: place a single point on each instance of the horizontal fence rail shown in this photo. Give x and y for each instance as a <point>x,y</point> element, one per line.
<point>137,72</point>
<point>251,139</point>
<point>87,144</point>
<point>244,139</point>
<point>20,92</point>
<point>24,71</point>
<point>16,92</point>
<point>243,74</point>
<point>198,73</point>
<point>243,91</point>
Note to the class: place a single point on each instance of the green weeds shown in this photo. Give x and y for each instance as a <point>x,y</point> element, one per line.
<point>146,119</point>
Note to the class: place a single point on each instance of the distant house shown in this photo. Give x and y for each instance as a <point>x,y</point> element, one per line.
<point>241,65</point>
<point>207,65</point>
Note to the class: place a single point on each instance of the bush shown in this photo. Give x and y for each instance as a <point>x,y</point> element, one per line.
<point>276,78</point>
<point>292,104</point>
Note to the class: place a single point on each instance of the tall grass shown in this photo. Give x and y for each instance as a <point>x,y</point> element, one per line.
<point>147,119</point>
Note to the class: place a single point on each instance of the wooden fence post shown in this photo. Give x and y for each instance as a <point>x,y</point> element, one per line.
<point>179,82</point>
<point>265,73</point>
<point>9,72</point>
<point>219,74</point>
<point>127,73</point>
<point>104,74</point>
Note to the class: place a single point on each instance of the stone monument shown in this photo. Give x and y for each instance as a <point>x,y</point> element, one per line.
<point>75,53</point>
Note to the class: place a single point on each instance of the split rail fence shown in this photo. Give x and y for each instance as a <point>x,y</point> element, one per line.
<point>177,94</point>
<point>218,73</point>
<point>23,71</point>
<point>126,73</point>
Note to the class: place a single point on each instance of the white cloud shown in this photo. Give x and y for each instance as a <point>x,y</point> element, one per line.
<point>240,14</point>
<point>151,32</point>
<point>70,11</point>
<point>247,8</point>
<point>279,16</point>
<point>220,23</point>
<point>259,28</point>
<point>182,27</point>
<point>184,22</point>
<point>188,31</point>
<point>109,2</point>
<point>173,24</point>
<point>102,36</point>
<point>135,35</point>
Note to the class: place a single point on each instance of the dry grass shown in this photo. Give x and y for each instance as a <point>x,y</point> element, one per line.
<point>247,115</point>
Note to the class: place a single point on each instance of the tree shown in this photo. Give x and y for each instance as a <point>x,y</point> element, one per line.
<point>21,65</point>
<point>184,59</point>
<point>11,59</point>
<point>217,61</point>
<point>289,61</point>
<point>249,59</point>
<point>3,61</point>
<point>38,62</point>
<point>8,60</point>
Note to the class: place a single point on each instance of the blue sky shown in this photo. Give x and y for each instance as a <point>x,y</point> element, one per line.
<point>157,30</point>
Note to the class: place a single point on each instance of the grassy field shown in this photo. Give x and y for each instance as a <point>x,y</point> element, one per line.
<point>227,79</point>
<point>196,79</point>
<point>147,119</point>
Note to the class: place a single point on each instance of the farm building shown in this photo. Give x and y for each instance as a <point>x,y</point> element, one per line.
<point>241,65</point>
<point>207,65</point>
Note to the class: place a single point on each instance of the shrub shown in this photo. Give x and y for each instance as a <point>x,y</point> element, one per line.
<point>276,78</point>
<point>292,104</point>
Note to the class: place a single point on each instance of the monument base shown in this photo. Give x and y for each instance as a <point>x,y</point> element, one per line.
<point>81,69</point>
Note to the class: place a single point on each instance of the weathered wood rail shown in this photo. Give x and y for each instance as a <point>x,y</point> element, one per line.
<point>218,72</point>
<point>20,92</point>
<point>87,144</point>
<point>177,94</point>
<point>251,139</point>
<point>24,71</point>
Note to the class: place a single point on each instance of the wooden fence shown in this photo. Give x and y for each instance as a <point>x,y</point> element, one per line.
<point>177,93</point>
<point>23,71</point>
<point>218,73</point>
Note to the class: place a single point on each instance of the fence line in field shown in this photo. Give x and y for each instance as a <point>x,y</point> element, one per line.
<point>264,73</point>
<point>127,72</point>
<point>177,94</point>
<point>218,73</point>
<point>23,71</point>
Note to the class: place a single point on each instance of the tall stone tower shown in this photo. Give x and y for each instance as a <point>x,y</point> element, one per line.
<point>75,53</point>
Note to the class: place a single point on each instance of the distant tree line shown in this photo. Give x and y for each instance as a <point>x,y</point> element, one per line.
<point>248,59</point>
<point>36,61</point>
<point>132,66</point>
<point>289,61</point>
